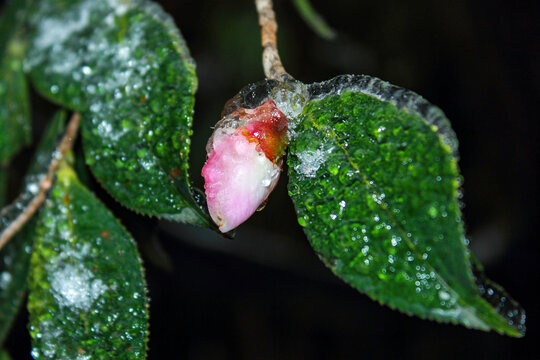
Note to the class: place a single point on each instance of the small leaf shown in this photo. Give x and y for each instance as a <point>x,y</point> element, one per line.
<point>15,127</point>
<point>39,168</point>
<point>87,291</point>
<point>314,20</point>
<point>14,268</point>
<point>374,179</point>
<point>15,256</point>
<point>125,65</point>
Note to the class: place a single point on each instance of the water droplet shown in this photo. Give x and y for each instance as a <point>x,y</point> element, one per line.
<point>86,70</point>
<point>444,295</point>
<point>33,188</point>
<point>365,250</point>
<point>5,280</point>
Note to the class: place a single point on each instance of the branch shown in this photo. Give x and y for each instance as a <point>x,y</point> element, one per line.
<point>45,183</point>
<point>273,68</point>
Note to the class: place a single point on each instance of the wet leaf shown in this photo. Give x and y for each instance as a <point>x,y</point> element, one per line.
<point>39,168</point>
<point>125,65</point>
<point>14,268</point>
<point>87,292</point>
<point>15,127</point>
<point>15,256</point>
<point>374,179</point>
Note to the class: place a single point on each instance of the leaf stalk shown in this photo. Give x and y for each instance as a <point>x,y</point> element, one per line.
<point>273,68</point>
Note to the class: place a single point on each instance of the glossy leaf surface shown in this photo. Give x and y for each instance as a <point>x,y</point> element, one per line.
<point>15,256</point>
<point>87,291</point>
<point>14,268</point>
<point>15,127</point>
<point>125,65</point>
<point>38,170</point>
<point>374,179</point>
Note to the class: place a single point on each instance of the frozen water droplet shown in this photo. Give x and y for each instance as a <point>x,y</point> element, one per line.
<point>5,280</point>
<point>444,295</point>
<point>86,70</point>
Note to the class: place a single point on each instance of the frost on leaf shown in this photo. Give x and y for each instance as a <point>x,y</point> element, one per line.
<point>87,291</point>
<point>125,66</point>
<point>310,161</point>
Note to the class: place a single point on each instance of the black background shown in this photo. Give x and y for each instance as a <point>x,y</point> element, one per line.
<point>265,295</point>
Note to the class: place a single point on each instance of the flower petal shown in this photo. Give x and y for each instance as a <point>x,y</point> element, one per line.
<point>238,178</point>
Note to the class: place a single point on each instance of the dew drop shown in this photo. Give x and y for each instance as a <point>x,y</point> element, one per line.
<point>444,295</point>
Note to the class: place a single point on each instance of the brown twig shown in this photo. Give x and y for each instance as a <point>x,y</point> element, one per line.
<point>45,183</point>
<point>273,68</point>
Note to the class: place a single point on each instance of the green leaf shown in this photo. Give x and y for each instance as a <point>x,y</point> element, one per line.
<point>4,355</point>
<point>14,268</point>
<point>87,290</point>
<point>12,17</point>
<point>314,20</point>
<point>15,256</point>
<point>39,168</point>
<point>129,71</point>
<point>374,179</point>
<point>15,127</point>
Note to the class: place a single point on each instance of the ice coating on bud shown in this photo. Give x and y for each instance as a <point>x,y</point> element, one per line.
<point>244,161</point>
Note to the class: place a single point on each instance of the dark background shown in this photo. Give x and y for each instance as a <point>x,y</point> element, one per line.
<point>265,295</point>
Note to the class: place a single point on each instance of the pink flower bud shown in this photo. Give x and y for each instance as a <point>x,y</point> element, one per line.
<point>244,161</point>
